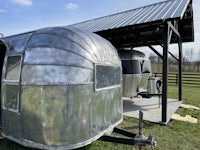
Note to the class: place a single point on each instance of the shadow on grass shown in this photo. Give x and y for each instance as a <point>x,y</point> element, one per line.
<point>6,144</point>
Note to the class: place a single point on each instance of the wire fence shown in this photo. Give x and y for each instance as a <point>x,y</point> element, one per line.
<point>187,78</point>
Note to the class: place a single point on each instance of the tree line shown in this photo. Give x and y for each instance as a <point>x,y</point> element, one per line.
<point>190,63</point>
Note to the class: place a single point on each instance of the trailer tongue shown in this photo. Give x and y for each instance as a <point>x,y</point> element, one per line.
<point>130,138</point>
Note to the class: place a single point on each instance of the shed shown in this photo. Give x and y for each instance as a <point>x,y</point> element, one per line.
<point>160,24</point>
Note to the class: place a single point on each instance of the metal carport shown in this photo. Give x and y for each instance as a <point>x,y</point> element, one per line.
<point>157,24</point>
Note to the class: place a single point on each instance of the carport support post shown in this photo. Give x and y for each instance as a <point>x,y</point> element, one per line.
<point>180,68</point>
<point>165,72</point>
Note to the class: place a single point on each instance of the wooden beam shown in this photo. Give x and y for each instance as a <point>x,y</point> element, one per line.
<point>147,44</point>
<point>165,72</point>
<point>174,29</point>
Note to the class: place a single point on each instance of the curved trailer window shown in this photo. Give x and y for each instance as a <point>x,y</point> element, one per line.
<point>13,68</point>
<point>131,67</point>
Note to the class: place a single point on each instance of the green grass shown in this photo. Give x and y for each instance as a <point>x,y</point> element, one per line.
<point>176,135</point>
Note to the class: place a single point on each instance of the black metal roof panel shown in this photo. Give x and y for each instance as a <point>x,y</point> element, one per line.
<point>170,9</point>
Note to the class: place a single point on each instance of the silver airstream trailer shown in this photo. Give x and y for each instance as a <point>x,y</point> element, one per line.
<point>61,88</point>
<point>136,71</point>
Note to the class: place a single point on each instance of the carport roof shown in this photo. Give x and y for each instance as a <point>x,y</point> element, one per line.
<point>147,21</point>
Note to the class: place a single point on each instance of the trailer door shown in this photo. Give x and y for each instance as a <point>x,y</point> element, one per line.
<point>11,98</point>
<point>2,55</point>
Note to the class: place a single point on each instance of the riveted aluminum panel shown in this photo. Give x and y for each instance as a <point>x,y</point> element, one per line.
<point>52,41</point>
<point>16,44</point>
<point>54,56</point>
<point>144,81</point>
<point>57,89</point>
<point>131,55</point>
<point>78,110</point>
<point>55,75</point>
<point>131,84</point>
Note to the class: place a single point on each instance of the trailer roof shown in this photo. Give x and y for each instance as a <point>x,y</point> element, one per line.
<point>147,21</point>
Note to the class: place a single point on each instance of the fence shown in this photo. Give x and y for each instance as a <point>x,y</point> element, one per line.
<point>187,78</point>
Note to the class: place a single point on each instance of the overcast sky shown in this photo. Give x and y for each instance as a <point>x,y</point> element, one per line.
<point>19,16</point>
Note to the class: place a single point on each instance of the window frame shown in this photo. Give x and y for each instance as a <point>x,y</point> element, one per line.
<point>11,82</point>
<point>6,68</point>
<point>108,87</point>
<point>131,65</point>
<point>4,98</point>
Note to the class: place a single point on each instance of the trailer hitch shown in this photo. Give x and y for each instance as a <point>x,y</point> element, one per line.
<point>131,138</point>
<point>140,138</point>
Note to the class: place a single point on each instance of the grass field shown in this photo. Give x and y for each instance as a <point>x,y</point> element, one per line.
<point>176,135</point>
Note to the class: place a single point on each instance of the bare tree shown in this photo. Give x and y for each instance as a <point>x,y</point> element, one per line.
<point>197,63</point>
<point>190,55</point>
<point>197,66</point>
<point>172,60</point>
<point>153,58</point>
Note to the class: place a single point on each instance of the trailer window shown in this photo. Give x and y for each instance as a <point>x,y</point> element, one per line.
<point>107,77</point>
<point>131,67</point>
<point>11,97</point>
<point>13,68</point>
<point>11,83</point>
